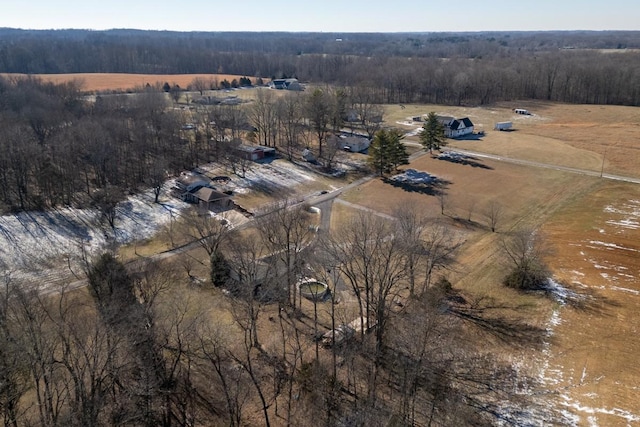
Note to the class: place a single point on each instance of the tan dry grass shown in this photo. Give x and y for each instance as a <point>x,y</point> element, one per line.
<point>577,136</point>
<point>596,347</point>
<point>571,204</point>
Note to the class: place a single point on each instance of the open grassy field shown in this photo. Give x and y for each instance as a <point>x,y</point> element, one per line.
<point>577,136</point>
<point>589,364</point>
<point>97,82</point>
<point>594,360</point>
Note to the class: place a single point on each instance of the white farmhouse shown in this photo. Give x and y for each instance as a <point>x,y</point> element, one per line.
<point>456,128</point>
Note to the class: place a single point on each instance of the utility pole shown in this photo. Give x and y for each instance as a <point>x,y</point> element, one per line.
<point>603,157</point>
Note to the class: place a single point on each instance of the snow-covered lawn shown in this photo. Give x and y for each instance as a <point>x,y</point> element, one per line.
<point>275,175</point>
<point>34,245</point>
<point>41,246</point>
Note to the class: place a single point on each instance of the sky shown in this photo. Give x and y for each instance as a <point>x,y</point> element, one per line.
<point>331,16</point>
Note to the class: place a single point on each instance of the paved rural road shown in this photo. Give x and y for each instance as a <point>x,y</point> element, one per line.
<point>323,201</point>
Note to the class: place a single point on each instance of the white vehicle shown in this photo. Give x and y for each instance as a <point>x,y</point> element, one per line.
<point>503,126</point>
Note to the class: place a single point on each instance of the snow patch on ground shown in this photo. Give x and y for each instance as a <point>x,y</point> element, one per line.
<point>593,412</point>
<point>627,290</point>
<point>629,213</point>
<point>412,176</point>
<point>453,156</point>
<point>544,413</point>
<point>33,245</point>
<point>560,293</point>
<point>41,247</point>
<point>610,246</point>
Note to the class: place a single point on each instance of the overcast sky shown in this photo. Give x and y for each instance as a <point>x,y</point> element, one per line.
<point>323,15</point>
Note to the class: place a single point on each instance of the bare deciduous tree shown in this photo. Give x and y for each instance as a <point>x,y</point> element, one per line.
<point>439,245</point>
<point>286,231</point>
<point>262,115</point>
<point>318,111</point>
<point>368,254</point>
<point>494,212</point>
<point>525,251</point>
<point>289,110</point>
<point>208,229</point>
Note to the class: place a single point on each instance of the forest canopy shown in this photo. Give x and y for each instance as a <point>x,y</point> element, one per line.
<point>443,68</point>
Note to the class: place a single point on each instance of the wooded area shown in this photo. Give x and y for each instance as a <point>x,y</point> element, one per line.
<point>438,68</point>
<point>58,148</point>
<point>144,348</point>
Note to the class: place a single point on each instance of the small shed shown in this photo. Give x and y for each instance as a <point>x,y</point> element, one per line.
<point>522,111</point>
<point>503,126</point>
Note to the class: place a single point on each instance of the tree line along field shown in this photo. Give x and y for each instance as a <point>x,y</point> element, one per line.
<point>454,68</point>
<point>566,205</point>
<point>122,82</point>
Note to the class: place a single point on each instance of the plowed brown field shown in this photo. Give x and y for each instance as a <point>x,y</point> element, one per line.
<point>96,82</point>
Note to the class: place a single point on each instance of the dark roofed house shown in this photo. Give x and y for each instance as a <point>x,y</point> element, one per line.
<point>187,184</point>
<point>455,128</point>
<point>209,198</point>
<point>196,188</point>
<point>287,84</point>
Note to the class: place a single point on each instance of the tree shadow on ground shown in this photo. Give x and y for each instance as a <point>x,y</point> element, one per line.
<point>270,188</point>
<point>463,159</point>
<point>469,224</point>
<point>586,300</point>
<point>486,314</point>
<point>434,187</point>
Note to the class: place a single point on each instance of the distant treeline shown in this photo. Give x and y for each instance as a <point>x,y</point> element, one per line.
<point>444,68</point>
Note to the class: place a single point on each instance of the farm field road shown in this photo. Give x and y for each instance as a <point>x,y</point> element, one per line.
<point>517,161</point>
<point>539,164</point>
<point>550,166</point>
